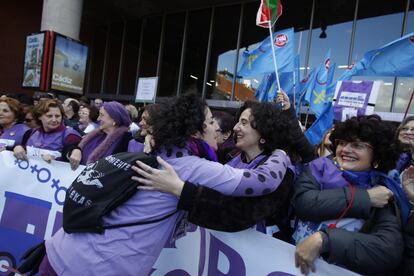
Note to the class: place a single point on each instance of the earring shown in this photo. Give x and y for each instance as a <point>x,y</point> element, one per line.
<point>262,141</point>
<point>113,124</point>
<point>376,165</point>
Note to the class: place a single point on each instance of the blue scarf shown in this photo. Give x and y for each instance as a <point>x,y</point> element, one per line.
<point>329,176</point>
<point>364,179</point>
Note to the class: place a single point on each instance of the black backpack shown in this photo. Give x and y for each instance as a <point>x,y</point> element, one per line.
<point>99,189</point>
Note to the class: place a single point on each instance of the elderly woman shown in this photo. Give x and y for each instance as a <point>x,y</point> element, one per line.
<point>179,132</point>
<point>344,205</point>
<point>111,137</point>
<point>11,128</point>
<point>52,139</point>
<point>88,115</point>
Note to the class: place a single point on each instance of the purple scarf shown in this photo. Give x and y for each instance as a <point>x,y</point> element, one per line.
<point>202,149</point>
<point>103,149</point>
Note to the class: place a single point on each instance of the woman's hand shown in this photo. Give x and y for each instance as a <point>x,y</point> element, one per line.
<point>148,143</point>
<point>47,157</point>
<point>379,196</point>
<point>165,180</point>
<point>408,183</point>
<point>307,252</point>
<point>75,158</point>
<point>20,153</point>
<point>283,99</point>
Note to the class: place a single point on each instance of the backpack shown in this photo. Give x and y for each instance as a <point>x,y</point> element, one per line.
<point>100,188</point>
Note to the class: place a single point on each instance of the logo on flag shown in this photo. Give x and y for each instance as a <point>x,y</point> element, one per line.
<point>327,63</point>
<point>281,40</point>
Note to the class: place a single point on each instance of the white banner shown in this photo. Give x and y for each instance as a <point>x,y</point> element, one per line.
<point>31,201</point>
<point>207,252</point>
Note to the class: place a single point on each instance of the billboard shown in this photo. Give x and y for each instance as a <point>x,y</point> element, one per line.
<point>69,65</point>
<point>33,60</point>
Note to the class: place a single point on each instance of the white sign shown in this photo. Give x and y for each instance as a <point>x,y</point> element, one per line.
<point>147,89</point>
<point>206,252</point>
<point>31,202</point>
<point>32,194</point>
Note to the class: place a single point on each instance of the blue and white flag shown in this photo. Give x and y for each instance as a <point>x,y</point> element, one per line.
<point>393,59</point>
<point>321,125</point>
<point>317,94</point>
<point>260,60</point>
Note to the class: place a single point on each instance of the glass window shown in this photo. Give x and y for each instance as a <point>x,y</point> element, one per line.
<point>151,44</point>
<point>97,60</point>
<point>251,38</point>
<point>129,67</point>
<point>172,54</point>
<point>223,53</point>
<point>113,58</point>
<point>333,29</point>
<point>196,50</point>
<point>375,31</point>
<point>405,86</point>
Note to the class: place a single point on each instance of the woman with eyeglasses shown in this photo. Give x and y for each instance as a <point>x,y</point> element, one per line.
<point>88,115</point>
<point>345,206</point>
<point>12,130</point>
<point>29,120</point>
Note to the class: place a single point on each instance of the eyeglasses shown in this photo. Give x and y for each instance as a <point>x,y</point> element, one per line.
<point>355,145</point>
<point>406,129</point>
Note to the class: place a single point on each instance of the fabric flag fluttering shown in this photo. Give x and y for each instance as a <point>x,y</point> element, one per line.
<point>393,59</point>
<point>322,124</point>
<point>269,11</point>
<point>319,91</point>
<point>260,60</point>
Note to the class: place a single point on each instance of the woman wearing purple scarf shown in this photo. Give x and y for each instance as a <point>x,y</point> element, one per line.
<point>348,208</point>
<point>111,137</point>
<point>178,132</point>
<point>11,128</point>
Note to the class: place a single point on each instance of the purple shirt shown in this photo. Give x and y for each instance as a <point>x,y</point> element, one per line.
<point>53,140</point>
<point>135,146</point>
<point>15,133</point>
<point>134,250</point>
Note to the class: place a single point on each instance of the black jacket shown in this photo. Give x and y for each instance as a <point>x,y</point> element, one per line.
<point>376,249</point>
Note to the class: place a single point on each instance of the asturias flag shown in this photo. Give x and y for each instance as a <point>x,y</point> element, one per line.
<point>318,95</point>
<point>269,11</point>
<point>321,125</point>
<point>260,60</point>
<point>393,59</point>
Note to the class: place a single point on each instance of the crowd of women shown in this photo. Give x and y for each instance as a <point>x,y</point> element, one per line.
<point>348,201</point>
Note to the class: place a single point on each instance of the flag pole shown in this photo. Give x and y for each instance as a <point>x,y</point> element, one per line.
<point>409,104</point>
<point>273,54</point>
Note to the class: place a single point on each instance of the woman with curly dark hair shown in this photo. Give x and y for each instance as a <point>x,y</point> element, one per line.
<point>182,132</point>
<point>257,131</point>
<point>345,205</point>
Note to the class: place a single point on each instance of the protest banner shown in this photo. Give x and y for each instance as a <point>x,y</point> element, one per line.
<point>32,194</point>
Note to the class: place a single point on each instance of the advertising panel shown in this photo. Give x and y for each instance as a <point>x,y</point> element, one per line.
<point>69,65</point>
<point>33,60</point>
